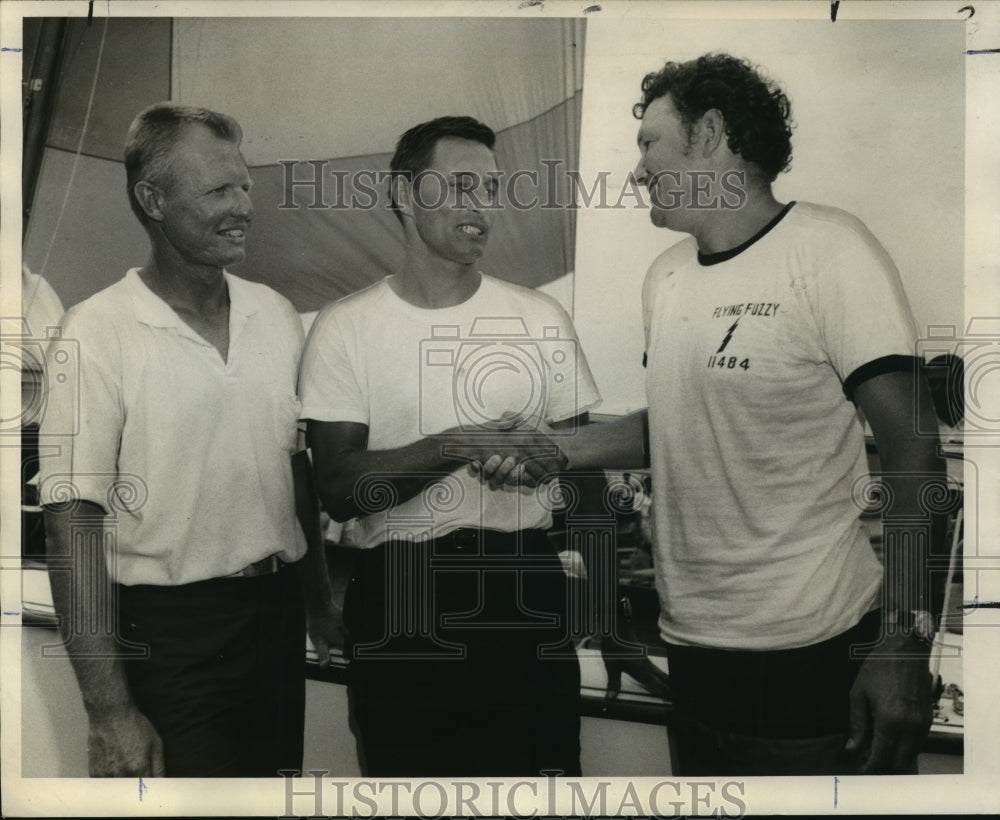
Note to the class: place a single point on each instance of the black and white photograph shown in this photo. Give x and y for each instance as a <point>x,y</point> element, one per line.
<point>499,409</point>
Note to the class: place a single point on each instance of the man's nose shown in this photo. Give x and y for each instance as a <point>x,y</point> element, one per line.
<point>640,172</point>
<point>243,204</point>
<point>474,193</point>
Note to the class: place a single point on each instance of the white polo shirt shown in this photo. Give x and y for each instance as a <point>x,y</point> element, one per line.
<point>188,454</point>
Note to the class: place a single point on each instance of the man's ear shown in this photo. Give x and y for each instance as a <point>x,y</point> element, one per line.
<point>402,192</point>
<point>150,199</point>
<point>711,132</point>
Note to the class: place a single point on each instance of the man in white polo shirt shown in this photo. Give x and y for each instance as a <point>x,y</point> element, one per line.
<point>180,401</point>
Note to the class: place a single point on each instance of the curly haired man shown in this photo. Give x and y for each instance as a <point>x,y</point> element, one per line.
<point>772,331</point>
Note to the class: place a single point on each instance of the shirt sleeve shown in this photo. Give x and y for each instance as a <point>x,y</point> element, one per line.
<point>40,304</point>
<point>865,323</point>
<point>648,286</point>
<point>83,415</point>
<point>329,383</point>
<point>572,385</point>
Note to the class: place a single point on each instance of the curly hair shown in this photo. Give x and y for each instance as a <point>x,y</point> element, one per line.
<point>415,149</point>
<point>756,111</point>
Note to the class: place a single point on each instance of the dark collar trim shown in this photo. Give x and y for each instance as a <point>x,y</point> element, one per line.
<point>715,258</point>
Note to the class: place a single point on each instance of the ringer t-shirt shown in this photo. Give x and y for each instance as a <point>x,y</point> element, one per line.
<point>757,451</point>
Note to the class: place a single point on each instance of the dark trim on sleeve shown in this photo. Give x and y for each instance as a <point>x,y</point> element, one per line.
<point>878,367</point>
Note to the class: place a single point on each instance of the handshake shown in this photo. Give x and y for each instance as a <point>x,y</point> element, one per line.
<point>505,454</point>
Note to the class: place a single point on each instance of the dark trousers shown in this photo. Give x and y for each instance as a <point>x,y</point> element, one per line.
<point>461,665</point>
<point>224,683</point>
<point>782,712</point>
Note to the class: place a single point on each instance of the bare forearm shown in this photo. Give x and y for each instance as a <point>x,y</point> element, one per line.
<point>314,576</point>
<point>82,594</point>
<point>359,475</point>
<point>355,481</point>
<point>914,529</point>
<point>618,444</point>
<point>912,469</point>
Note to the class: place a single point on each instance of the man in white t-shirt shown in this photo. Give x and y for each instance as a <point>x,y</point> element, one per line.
<point>460,659</point>
<point>769,332</point>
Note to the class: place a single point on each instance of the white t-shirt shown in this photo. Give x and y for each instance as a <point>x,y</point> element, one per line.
<point>755,449</point>
<point>408,373</point>
<point>189,455</point>
<point>40,304</point>
<point>41,310</point>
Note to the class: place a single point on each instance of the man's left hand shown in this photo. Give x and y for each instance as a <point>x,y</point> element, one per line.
<point>891,708</point>
<point>325,625</point>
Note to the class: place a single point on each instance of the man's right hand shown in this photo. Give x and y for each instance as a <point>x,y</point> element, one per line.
<point>511,456</point>
<point>123,743</point>
<point>528,466</point>
<point>341,459</point>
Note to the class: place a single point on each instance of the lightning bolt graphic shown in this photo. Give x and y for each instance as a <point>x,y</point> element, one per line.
<point>729,335</point>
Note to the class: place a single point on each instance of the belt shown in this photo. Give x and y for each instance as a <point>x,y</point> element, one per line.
<point>470,541</point>
<point>265,566</point>
<point>461,545</point>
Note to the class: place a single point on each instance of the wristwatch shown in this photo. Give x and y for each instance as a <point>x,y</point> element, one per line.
<point>918,622</point>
